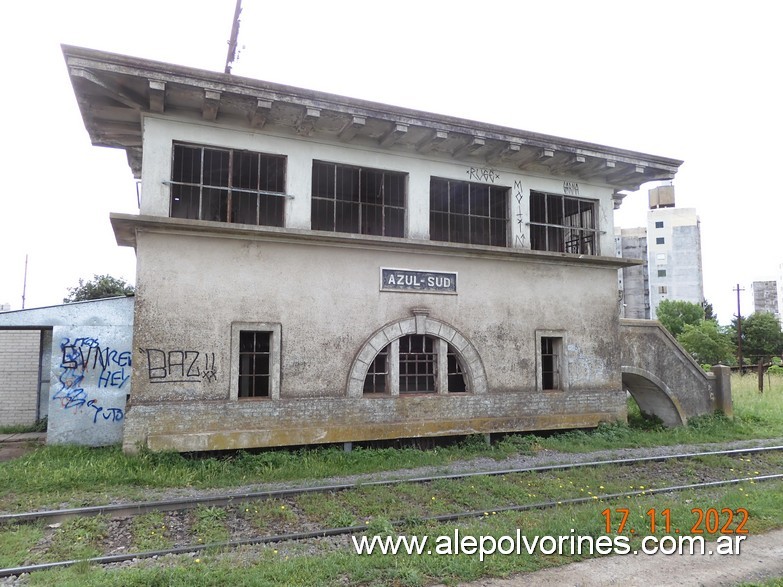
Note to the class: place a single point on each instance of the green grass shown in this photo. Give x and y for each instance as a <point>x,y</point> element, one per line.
<point>150,533</point>
<point>78,538</point>
<point>16,543</point>
<point>210,525</point>
<point>278,566</point>
<point>39,426</point>
<point>53,475</point>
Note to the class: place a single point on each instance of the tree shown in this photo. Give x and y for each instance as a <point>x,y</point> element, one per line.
<point>709,313</point>
<point>675,314</point>
<point>707,343</point>
<point>100,286</point>
<point>761,336</point>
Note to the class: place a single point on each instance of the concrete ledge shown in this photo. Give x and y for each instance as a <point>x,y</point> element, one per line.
<point>238,439</point>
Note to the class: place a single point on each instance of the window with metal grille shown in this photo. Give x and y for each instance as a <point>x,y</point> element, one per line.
<point>563,224</point>
<point>377,374</point>
<point>254,363</point>
<point>358,200</point>
<point>550,362</point>
<point>227,185</point>
<point>472,213</point>
<point>416,363</point>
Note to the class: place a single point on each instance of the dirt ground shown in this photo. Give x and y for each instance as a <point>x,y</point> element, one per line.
<point>760,559</point>
<point>16,445</point>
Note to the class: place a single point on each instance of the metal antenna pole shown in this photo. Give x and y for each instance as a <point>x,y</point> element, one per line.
<point>24,284</point>
<point>232,42</point>
<point>739,328</point>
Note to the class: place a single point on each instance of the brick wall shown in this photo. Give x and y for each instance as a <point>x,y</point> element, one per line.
<point>19,364</point>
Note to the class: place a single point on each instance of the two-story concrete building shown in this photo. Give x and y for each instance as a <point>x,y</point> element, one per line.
<point>313,268</point>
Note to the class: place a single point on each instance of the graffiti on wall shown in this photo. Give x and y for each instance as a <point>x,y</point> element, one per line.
<point>483,174</point>
<point>85,366</point>
<point>517,191</point>
<point>180,366</point>
<point>570,188</point>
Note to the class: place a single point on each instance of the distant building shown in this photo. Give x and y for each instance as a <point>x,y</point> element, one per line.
<point>670,245</point>
<point>765,297</point>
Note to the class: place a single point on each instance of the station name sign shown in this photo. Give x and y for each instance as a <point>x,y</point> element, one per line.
<point>418,281</point>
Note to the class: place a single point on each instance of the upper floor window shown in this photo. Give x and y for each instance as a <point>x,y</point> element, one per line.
<point>563,224</point>
<point>227,185</point>
<point>358,200</point>
<point>464,212</point>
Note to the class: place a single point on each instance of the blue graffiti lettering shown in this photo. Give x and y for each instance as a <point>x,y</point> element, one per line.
<point>80,358</point>
<point>108,414</point>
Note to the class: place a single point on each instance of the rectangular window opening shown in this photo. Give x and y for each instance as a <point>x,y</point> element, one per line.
<point>358,200</point>
<point>227,185</point>
<point>471,213</point>
<point>659,240</point>
<point>254,363</point>
<point>551,350</point>
<point>563,224</point>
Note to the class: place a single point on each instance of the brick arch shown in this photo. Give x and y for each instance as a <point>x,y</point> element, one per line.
<point>420,323</point>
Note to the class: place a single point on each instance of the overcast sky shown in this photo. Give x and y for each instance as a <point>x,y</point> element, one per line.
<point>697,81</point>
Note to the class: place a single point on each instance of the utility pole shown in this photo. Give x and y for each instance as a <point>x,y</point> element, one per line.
<point>232,42</point>
<point>24,283</point>
<point>739,329</point>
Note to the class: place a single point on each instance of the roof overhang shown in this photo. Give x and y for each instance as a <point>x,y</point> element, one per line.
<point>114,92</point>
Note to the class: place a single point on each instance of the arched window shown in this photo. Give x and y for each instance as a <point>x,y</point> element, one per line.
<point>416,363</point>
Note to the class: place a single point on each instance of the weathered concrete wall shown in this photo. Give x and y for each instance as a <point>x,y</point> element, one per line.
<point>19,372</point>
<point>87,372</point>
<point>636,292</point>
<point>327,299</point>
<point>662,376</point>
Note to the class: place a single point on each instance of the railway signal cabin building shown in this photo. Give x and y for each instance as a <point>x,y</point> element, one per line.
<point>313,268</point>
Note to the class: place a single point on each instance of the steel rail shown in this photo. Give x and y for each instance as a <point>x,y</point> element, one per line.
<point>131,509</point>
<point>104,560</point>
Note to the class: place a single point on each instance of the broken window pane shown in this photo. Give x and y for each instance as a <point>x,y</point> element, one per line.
<point>562,224</point>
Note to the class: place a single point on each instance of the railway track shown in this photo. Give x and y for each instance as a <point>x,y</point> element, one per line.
<point>290,512</point>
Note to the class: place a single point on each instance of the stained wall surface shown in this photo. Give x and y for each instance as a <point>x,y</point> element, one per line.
<point>86,372</point>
